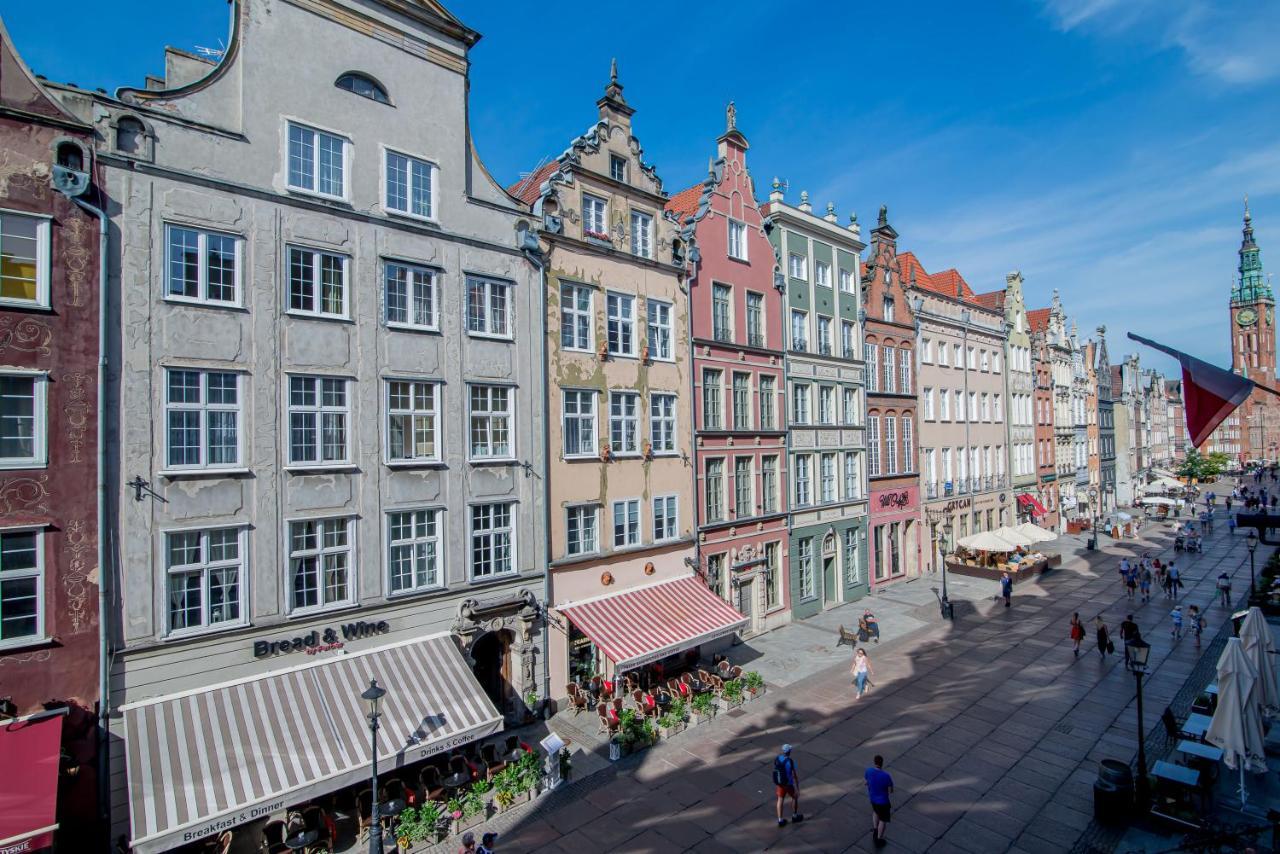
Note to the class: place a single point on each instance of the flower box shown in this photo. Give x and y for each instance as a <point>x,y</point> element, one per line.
<point>668,731</point>
<point>466,822</point>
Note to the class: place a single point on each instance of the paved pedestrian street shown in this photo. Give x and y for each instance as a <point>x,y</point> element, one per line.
<point>990,728</point>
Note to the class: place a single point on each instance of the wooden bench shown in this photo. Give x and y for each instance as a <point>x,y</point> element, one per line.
<point>846,637</point>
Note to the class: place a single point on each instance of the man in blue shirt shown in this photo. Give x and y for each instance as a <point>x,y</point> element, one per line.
<point>786,781</point>
<point>879,787</point>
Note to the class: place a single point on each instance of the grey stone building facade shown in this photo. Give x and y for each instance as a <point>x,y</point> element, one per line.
<point>1106,424</point>
<point>331,432</point>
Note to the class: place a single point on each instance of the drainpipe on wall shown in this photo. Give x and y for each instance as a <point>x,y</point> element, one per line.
<point>536,259</point>
<point>104,635</point>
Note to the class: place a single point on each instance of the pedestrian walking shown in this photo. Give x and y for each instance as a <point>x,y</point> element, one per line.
<point>1231,523</point>
<point>1076,633</point>
<point>1131,584</point>
<point>487,842</point>
<point>1230,500</point>
<point>786,781</point>
<point>1128,635</point>
<point>1176,616</point>
<point>879,788</point>
<point>1104,637</point>
<point>861,671</point>
<point>1224,588</point>
<point>1197,622</point>
<point>1124,567</point>
<point>1144,582</point>
<point>1175,580</point>
<point>1006,588</point>
<point>468,843</point>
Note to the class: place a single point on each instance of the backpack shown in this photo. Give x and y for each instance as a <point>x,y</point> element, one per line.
<point>782,766</point>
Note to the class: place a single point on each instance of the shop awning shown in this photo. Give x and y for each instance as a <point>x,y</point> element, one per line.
<point>646,624</point>
<point>29,752</point>
<point>1027,500</point>
<point>206,760</point>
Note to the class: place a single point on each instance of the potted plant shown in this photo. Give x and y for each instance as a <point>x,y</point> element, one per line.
<point>566,763</point>
<point>468,808</point>
<point>423,824</point>
<point>732,693</point>
<point>704,708</point>
<point>754,683</point>
<point>529,773</point>
<point>669,725</point>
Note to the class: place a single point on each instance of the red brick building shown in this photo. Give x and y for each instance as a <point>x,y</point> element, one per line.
<point>1042,401</point>
<point>49,638</point>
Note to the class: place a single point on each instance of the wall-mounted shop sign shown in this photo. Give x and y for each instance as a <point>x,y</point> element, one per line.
<point>957,504</point>
<point>321,640</point>
<point>895,499</point>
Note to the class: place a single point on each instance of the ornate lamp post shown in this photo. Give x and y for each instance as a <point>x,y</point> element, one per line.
<point>1093,506</point>
<point>947,613</point>
<point>1139,651</point>
<point>1252,542</point>
<point>372,695</point>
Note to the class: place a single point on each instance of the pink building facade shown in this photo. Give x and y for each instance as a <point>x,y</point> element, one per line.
<point>736,309</point>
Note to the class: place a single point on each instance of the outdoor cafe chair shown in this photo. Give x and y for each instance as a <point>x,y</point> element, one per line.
<point>220,844</point>
<point>678,688</point>
<point>364,809</point>
<point>577,698</point>
<point>460,773</point>
<point>429,781</point>
<point>489,758</point>
<point>608,726</point>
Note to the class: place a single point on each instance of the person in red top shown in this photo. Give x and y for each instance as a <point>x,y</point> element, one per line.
<point>1077,633</point>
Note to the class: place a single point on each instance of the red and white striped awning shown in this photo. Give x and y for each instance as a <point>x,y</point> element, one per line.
<point>646,624</point>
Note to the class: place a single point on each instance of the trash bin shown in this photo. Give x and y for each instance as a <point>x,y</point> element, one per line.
<point>1093,543</point>
<point>1113,791</point>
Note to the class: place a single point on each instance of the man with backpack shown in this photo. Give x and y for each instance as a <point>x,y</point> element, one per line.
<point>786,781</point>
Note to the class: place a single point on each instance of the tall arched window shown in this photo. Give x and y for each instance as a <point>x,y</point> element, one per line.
<point>129,135</point>
<point>364,86</point>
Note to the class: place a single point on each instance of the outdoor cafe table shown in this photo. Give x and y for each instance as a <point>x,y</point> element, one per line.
<point>1211,688</point>
<point>1197,725</point>
<point>301,840</point>
<point>1176,773</point>
<point>1200,750</point>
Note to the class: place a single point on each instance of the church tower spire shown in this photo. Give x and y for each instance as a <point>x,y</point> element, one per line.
<point>1252,286</point>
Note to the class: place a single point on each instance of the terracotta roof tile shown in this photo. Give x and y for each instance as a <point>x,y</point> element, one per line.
<point>529,188</point>
<point>684,204</point>
<point>992,300</point>
<point>948,283</point>
<point>909,265</point>
<point>1039,319</point>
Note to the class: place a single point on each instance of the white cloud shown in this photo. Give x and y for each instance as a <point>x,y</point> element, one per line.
<point>1232,41</point>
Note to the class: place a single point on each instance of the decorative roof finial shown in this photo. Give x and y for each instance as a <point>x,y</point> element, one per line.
<point>613,70</point>
<point>777,185</point>
<point>730,117</point>
<point>883,219</point>
<point>831,208</point>
<point>853,218</point>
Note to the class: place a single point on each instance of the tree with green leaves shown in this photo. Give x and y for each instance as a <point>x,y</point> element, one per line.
<point>1201,467</point>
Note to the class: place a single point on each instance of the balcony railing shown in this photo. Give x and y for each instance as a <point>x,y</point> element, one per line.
<point>799,345</point>
<point>755,339</point>
<point>931,489</point>
<point>824,349</point>
<point>722,335</point>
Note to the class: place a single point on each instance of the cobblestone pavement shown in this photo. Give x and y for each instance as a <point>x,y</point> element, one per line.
<point>989,726</point>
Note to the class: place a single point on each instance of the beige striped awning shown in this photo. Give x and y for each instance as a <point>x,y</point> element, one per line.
<point>207,760</point>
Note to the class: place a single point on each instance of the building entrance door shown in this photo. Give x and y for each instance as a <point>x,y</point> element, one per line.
<point>748,606</point>
<point>829,596</point>
<point>492,656</point>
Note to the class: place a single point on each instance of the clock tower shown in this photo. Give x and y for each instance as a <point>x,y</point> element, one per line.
<point>1253,332</point>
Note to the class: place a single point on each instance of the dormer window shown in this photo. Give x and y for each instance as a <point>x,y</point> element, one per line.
<point>618,168</point>
<point>364,86</point>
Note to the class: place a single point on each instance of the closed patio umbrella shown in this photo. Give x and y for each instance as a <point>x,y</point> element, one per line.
<point>1255,637</point>
<point>986,541</point>
<point>1237,724</point>
<point>1035,532</point>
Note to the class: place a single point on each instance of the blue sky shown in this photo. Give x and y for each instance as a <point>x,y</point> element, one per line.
<point>1102,147</point>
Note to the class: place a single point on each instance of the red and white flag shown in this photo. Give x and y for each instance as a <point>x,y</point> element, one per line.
<point>1209,394</point>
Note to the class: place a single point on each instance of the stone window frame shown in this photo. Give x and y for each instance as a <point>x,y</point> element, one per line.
<point>206,567</point>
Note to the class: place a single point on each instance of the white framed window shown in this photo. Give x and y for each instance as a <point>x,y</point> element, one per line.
<point>851,557</point>
<point>800,403</point>
<point>318,416</point>
<point>493,540</point>
<point>769,484</point>
<point>658,315</point>
<point>852,492</point>
<point>944,405</point>
<point>926,351</point>
<point>743,488</point>
<point>826,404</point>
<point>798,266</point>
<point>850,406</point>
<point>626,523</point>
<point>410,186</point>
<point>848,343</point>
<point>822,273</point>
<point>926,398</point>
<point>873,445</point>
<point>741,401</point>
<point>804,480</point>
<point>413,421</point>
<point>799,331</point>
<point>413,550</point>
<point>23,420</point>
<point>943,359</point>
<point>804,568</point>
<point>973,406</point>
<point>737,240</point>
<point>908,449</point>
<point>889,370</point>
<point>846,281</point>
<point>576,328</point>
<point>624,422</point>
<point>317,283</point>
<point>22,607</point>
<point>595,217</point>
<point>412,296</point>
<point>755,320</point>
<point>957,354</point>
<point>641,234</point>
<point>904,371</point>
<point>317,162</point>
<point>618,168</point>
<point>582,534</point>
<point>891,444</point>
<point>768,402</point>
<point>202,419</point>
<point>321,563</point>
<point>827,477</point>
<point>620,314</point>
<point>490,412</point>
<point>662,423</point>
<point>973,359</point>
<point>998,415</point>
<point>985,357</point>
<point>712,400</point>
<point>824,335</point>
<point>200,266</point>
<point>204,575</point>
<point>24,259</point>
<point>995,361</point>
<point>871,355</point>
<point>721,314</point>
<point>960,417</point>
<point>489,307</point>
<point>714,489</point>
<point>888,308</point>
<point>580,431</point>
<point>986,406</point>
<point>666,523</point>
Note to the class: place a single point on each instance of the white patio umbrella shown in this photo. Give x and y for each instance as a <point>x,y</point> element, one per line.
<point>1159,472</point>
<point>1035,532</point>
<point>1167,502</point>
<point>986,541</point>
<point>1168,483</point>
<point>1255,637</point>
<point>1237,725</point>
<point>1013,535</point>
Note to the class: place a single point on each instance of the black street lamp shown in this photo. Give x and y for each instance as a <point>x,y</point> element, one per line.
<point>1093,505</point>
<point>372,695</point>
<point>1252,542</point>
<point>1139,651</point>
<point>947,613</point>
